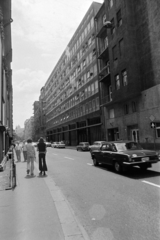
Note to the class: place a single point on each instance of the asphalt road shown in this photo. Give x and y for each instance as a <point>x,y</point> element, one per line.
<point>110,206</point>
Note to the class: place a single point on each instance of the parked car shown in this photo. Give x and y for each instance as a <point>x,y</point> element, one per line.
<point>48,144</point>
<point>61,145</point>
<point>96,145</point>
<point>54,144</point>
<point>83,146</point>
<point>123,155</point>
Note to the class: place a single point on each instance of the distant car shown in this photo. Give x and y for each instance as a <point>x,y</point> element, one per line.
<point>48,144</point>
<point>83,146</point>
<point>54,144</point>
<point>61,145</point>
<point>124,155</point>
<point>34,144</point>
<point>96,145</point>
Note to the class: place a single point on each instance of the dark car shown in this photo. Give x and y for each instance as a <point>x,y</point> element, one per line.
<point>96,145</point>
<point>83,146</point>
<point>123,155</point>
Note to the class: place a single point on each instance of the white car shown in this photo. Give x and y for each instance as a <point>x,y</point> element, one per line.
<point>54,144</point>
<point>61,145</point>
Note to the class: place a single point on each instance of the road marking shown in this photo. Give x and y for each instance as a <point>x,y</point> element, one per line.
<point>153,184</point>
<point>69,158</point>
<point>90,164</point>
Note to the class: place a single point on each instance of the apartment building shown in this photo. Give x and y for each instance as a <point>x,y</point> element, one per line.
<point>6,91</point>
<point>72,95</point>
<point>128,66</point>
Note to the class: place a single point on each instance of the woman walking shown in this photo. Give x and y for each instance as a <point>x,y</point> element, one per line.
<point>31,155</point>
<point>42,149</point>
<point>18,150</point>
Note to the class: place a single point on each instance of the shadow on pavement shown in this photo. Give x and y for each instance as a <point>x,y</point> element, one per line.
<point>134,173</point>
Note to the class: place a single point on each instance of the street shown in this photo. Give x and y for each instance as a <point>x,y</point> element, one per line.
<point>108,205</point>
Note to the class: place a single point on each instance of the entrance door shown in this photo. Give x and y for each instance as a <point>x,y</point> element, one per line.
<point>135,135</point>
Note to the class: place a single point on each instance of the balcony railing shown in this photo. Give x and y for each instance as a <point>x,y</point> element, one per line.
<point>106,99</point>
<point>104,72</point>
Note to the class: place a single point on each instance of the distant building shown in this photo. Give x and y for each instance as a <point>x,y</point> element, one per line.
<point>6,91</point>
<point>29,129</point>
<point>19,132</point>
<point>72,96</point>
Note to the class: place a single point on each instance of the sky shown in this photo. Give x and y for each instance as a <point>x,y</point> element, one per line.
<point>41,31</point>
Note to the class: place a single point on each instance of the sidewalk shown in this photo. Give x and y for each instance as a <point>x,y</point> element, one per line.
<point>36,209</point>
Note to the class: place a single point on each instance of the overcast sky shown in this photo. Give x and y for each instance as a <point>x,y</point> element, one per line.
<point>41,30</point>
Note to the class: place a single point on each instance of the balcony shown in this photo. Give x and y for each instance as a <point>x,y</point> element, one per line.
<point>106,99</point>
<point>103,53</point>
<point>104,73</point>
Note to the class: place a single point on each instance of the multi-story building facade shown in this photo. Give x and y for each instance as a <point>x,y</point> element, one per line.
<point>72,94</point>
<point>29,128</point>
<point>129,75</point>
<point>6,92</point>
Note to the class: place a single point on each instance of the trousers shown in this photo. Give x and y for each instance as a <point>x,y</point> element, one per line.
<point>42,162</point>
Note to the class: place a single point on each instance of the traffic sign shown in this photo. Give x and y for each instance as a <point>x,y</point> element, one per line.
<point>152,124</point>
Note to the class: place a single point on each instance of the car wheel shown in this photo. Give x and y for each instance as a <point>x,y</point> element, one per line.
<point>95,162</point>
<point>117,167</point>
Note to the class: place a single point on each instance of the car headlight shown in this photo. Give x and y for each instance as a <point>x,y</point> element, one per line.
<point>134,155</point>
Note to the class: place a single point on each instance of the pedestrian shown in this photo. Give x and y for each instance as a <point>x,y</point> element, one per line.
<point>18,150</point>
<point>42,149</point>
<point>31,155</point>
<point>24,151</point>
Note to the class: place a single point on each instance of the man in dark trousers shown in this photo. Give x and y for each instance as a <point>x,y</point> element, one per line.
<point>42,149</point>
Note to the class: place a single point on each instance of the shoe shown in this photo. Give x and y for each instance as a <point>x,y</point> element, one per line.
<point>44,174</point>
<point>27,171</point>
<point>32,174</point>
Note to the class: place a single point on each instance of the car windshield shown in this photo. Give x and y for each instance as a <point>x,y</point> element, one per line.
<point>128,146</point>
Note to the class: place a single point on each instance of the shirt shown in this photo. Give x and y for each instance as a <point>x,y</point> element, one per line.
<point>30,150</point>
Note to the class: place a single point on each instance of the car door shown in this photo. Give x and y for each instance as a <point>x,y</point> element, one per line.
<point>106,154</point>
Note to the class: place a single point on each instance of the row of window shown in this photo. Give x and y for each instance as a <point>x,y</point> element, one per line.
<point>71,53</point>
<point>86,62</point>
<point>89,107</point>
<point>92,72</point>
<point>84,94</point>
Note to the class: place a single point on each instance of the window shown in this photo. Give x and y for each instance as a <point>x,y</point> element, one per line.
<point>117,81</point>
<point>87,108</point>
<point>133,106</point>
<point>92,88</point>
<point>119,18</point>
<point>113,26</point>
<point>89,91</point>
<point>84,62</point>
<point>104,18</point>
<point>96,86</point>
<point>114,53</point>
<point>93,104</point>
<point>124,78</point>
<point>110,3</point>
<point>97,102</point>
<point>89,41</point>
<point>90,106</point>
<point>121,47</point>
<point>126,109</point>
<point>111,113</point>
<point>105,42</point>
